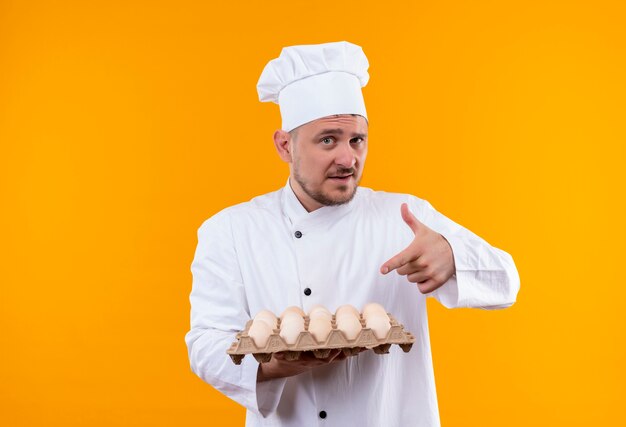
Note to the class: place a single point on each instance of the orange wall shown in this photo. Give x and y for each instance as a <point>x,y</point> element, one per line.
<point>123,125</point>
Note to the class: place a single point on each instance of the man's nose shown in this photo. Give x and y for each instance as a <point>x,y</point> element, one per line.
<point>345,156</point>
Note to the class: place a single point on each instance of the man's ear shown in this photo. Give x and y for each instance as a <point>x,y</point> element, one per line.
<point>282,141</point>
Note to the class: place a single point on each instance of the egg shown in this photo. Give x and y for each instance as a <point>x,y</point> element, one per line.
<point>320,327</point>
<point>291,317</point>
<point>320,311</point>
<point>349,324</point>
<point>321,315</point>
<point>292,309</point>
<point>291,325</point>
<point>373,308</point>
<point>347,309</point>
<point>290,328</point>
<point>267,317</point>
<point>379,324</point>
<point>259,332</point>
<point>317,307</point>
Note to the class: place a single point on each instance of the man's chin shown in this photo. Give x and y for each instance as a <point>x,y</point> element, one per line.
<point>339,196</point>
<point>330,192</point>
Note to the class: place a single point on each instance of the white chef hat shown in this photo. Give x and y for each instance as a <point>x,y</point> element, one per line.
<point>313,81</point>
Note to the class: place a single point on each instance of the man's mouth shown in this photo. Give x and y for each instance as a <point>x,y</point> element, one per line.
<point>342,177</point>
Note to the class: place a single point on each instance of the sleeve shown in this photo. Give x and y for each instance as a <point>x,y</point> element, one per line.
<point>219,309</point>
<point>486,277</point>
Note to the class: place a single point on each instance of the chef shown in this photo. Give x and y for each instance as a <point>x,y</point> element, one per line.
<point>323,239</point>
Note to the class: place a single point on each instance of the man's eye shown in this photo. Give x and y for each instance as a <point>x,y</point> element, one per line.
<point>356,140</point>
<point>327,141</point>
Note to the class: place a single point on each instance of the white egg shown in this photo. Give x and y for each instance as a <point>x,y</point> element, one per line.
<point>290,329</point>
<point>317,307</point>
<point>319,314</point>
<point>373,308</point>
<point>320,327</point>
<point>292,309</point>
<point>349,324</point>
<point>379,324</point>
<point>291,317</point>
<point>347,309</point>
<point>259,332</point>
<point>319,311</point>
<point>267,317</point>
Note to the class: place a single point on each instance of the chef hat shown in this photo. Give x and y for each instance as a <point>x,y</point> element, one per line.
<point>313,81</point>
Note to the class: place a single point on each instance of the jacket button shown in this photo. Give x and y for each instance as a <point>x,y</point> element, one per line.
<point>298,234</point>
<point>322,414</point>
<point>307,291</point>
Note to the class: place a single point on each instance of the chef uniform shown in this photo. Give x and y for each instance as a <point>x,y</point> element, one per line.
<point>270,253</point>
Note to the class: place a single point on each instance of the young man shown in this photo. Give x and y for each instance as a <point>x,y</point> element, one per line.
<point>322,239</point>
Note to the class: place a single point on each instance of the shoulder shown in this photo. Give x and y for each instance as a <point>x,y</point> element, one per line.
<point>264,205</point>
<point>389,202</point>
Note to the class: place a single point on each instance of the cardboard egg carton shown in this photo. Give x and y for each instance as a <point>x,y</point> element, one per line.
<point>306,342</point>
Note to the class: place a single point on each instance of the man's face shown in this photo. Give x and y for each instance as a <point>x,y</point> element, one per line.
<point>328,155</point>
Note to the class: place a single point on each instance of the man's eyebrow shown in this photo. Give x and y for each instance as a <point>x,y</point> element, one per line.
<point>329,132</point>
<point>338,132</point>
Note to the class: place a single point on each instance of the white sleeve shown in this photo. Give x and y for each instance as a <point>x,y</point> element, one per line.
<point>219,309</point>
<point>486,277</point>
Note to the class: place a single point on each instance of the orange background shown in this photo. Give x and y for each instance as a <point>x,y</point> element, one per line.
<point>123,125</point>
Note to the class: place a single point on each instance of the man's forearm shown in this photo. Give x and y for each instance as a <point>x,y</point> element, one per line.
<point>278,367</point>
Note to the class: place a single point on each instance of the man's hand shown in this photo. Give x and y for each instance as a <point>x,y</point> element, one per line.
<point>427,261</point>
<point>278,367</point>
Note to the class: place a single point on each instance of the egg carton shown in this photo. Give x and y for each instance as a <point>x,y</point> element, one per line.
<point>306,342</point>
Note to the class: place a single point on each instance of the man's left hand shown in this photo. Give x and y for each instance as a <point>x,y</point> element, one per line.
<point>427,261</point>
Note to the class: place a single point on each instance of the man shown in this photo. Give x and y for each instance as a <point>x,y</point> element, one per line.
<point>322,239</point>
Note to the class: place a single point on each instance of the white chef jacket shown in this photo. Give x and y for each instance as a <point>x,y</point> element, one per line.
<point>249,258</point>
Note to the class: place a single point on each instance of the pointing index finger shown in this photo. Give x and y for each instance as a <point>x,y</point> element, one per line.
<point>396,261</point>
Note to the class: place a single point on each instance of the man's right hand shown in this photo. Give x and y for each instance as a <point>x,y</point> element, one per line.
<point>278,367</point>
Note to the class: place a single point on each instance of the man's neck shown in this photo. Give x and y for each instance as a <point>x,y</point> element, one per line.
<point>307,202</point>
